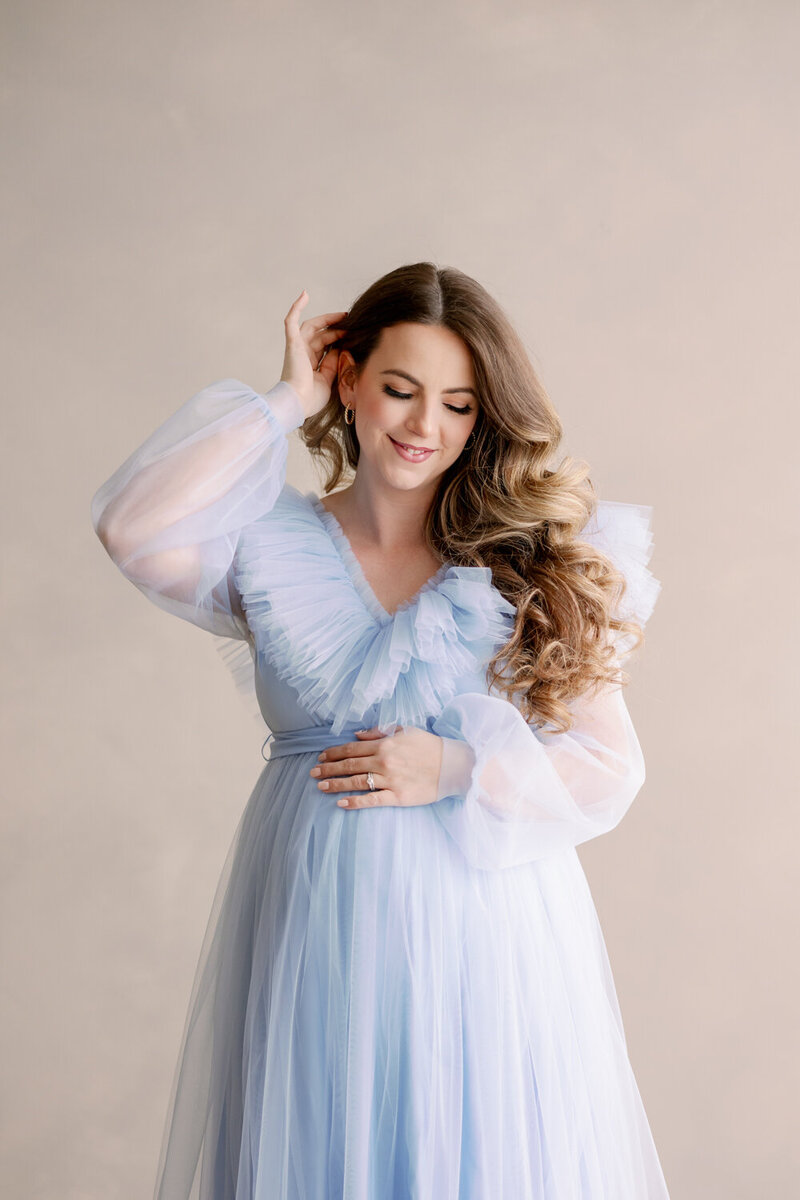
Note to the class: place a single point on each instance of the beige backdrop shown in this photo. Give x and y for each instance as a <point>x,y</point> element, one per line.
<point>623,177</point>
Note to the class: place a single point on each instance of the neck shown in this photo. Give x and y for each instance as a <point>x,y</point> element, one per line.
<point>390,519</point>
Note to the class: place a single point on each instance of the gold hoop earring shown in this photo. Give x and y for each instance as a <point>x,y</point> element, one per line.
<point>349,414</point>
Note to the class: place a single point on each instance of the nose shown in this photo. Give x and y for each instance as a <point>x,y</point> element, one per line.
<point>421,419</point>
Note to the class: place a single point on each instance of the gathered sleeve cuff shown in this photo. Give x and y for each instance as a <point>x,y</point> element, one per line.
<point>509,795</point>
<point>171,514</point>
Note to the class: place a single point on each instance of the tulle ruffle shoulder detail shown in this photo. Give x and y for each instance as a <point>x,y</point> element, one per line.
<point>239,657</point>
<point>312,614</point>
<point>623,532</point>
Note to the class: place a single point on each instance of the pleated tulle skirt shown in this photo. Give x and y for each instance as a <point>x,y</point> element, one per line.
<point>374,1019</point>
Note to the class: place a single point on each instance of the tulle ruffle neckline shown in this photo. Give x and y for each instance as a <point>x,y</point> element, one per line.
<point>362,663</point>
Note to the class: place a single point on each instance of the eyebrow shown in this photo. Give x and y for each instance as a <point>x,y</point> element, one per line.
<point>416,382</point>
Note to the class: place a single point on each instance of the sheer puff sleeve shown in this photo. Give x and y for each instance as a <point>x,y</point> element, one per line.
<point>509,794</point>
<point>170,516</point>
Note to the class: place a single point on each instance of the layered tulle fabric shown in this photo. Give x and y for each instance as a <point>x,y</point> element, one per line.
<point>623,532</point>
<point>509,794</point>
<point>170,516</point>
<point>522,794</point>
<point>374,1019</point>
<point>390,1002</point>
<point>362,663</point>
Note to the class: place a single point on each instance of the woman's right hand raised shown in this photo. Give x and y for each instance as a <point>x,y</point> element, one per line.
<point>305,344</point>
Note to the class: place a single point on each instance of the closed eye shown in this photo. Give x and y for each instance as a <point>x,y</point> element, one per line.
<point>390,391</point>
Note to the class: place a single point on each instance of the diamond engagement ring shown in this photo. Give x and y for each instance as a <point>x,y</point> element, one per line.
<point>370,781</point>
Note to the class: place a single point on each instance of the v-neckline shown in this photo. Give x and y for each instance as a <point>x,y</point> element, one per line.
<point>347,556</point>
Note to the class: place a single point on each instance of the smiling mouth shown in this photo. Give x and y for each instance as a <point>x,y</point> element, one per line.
<point>412,449</point>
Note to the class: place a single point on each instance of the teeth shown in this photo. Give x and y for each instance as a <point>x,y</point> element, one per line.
<point>411,449</point>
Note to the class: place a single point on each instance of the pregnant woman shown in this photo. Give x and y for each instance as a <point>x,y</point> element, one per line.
<point>403,991</point>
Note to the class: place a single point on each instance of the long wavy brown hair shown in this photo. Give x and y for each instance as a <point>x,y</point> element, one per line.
<point>501,504</point>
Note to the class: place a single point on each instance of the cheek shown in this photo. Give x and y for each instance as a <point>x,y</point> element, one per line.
<point>459,434</point>
<point>376,413</point>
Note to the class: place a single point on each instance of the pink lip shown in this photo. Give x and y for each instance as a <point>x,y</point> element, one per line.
<point>407,446</point>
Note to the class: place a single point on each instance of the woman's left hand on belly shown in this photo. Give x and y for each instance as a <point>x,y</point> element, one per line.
<point>405,768</point>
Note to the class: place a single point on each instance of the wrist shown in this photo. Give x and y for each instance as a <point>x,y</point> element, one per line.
<point>455,772</point>
<point>285,403</point>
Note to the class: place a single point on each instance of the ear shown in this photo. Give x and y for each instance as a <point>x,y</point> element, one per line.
<point>346,377</point>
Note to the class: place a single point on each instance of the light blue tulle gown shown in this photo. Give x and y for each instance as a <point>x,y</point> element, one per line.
<point>390,1003</point>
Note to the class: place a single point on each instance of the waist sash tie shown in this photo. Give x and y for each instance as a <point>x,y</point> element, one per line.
<point>303,741</point>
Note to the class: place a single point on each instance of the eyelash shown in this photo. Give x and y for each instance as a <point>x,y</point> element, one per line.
<point>390,391</point>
